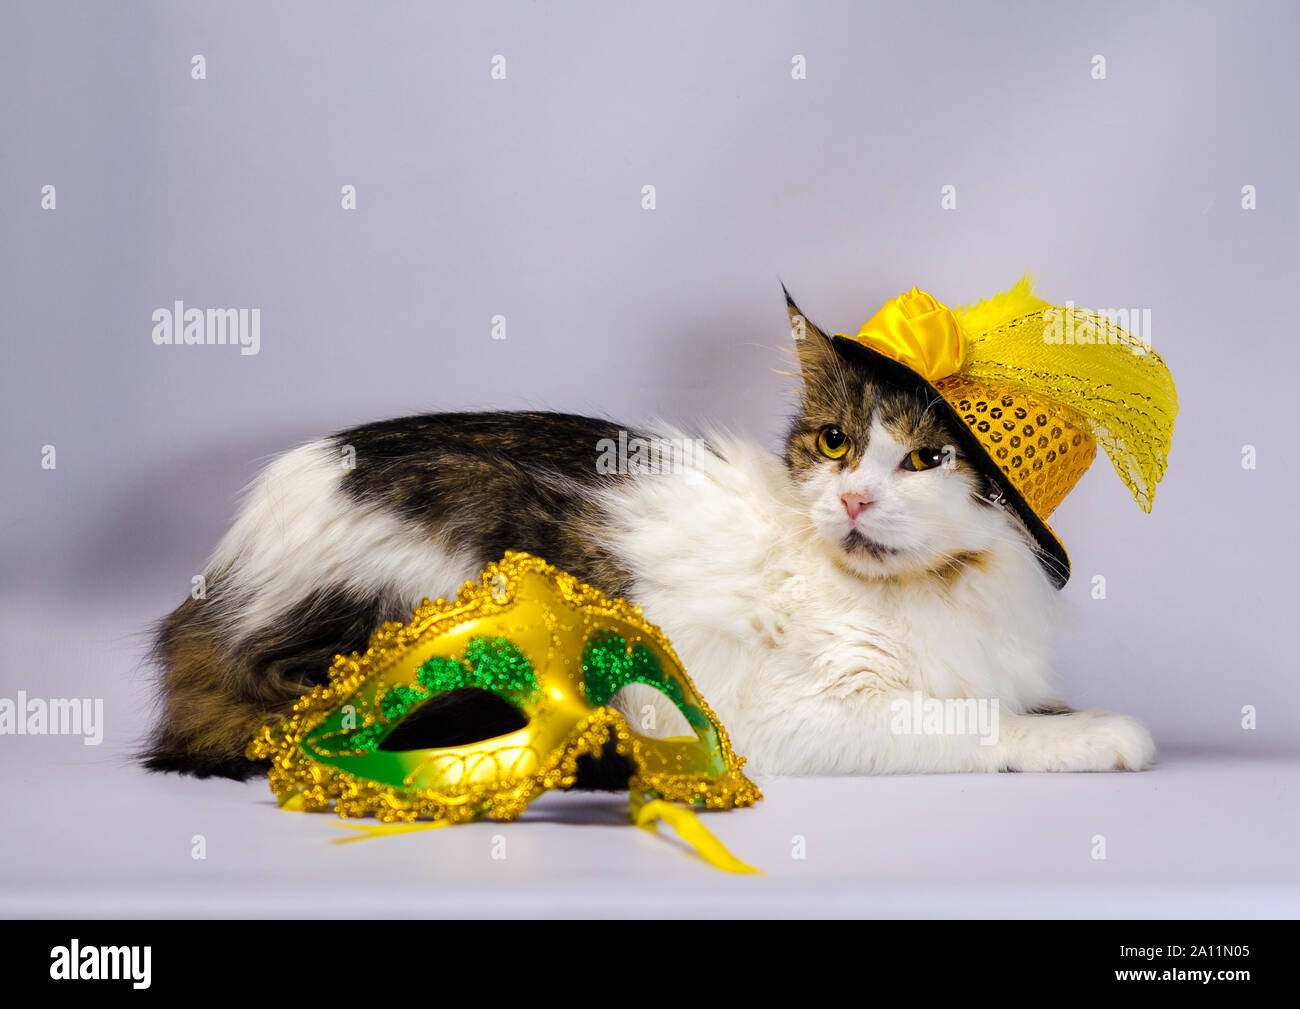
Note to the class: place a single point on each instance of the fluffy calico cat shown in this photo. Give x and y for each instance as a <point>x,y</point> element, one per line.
<point>812,596</point>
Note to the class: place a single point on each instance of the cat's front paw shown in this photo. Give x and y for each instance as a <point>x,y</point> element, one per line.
<point>1082,741</point>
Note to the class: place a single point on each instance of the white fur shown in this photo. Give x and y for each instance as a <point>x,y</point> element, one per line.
<point>297,532</point>
<point>801,656</point>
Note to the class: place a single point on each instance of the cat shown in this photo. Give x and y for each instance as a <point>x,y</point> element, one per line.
<point>814,596</point>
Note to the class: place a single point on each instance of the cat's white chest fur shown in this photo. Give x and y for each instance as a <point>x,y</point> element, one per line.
<point>802,660</point>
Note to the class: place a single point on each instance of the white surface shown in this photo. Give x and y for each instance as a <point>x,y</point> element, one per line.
<point>88,834</point>
<point>1199,837</point>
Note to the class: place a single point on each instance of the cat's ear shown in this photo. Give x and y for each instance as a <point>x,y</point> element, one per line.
<point>817,355</point>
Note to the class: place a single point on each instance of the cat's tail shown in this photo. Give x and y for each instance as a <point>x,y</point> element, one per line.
<point>219,681</point>
<point>209,706</point>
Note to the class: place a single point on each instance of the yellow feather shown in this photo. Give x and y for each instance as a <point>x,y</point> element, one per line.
<point>1004,306</point>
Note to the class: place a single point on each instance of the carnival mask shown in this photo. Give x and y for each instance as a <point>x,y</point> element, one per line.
<point>533,636</point>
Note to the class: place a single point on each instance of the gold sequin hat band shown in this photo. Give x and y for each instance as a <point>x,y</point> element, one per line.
<point>1031,389</point>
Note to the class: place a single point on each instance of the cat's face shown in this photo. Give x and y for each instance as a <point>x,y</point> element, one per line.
<point>881,475</point>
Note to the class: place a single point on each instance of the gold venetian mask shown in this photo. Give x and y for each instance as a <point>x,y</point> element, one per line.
<point>557,651</point>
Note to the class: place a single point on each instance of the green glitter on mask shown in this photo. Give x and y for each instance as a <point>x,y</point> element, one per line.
<point>492,664</point>
<point>441,674</point>
<point>359,740</point>
<point>399,700</point>
<point>366,739</point>
<point>608,666</point>
<point>394,704</point>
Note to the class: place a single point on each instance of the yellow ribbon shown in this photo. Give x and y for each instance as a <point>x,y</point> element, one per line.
<point>646,812</point>
<point>369,830</point>
<point>295,803</point>
<point>918,331</point>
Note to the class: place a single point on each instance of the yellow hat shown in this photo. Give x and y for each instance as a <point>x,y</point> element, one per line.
<point>1031,389</point>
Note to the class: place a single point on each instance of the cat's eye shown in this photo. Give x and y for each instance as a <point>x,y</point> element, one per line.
<point>832,442</point>
<point>923,458</point>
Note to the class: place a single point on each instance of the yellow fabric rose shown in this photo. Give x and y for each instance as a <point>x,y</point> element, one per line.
<point>918,331</point>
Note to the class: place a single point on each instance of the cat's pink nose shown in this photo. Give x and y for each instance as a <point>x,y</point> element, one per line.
<point>856,504</point>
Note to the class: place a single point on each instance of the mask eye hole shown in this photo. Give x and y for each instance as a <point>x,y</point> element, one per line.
<point>610,665</point>
<point>832,442</point>
<point>455,718</point>
<point>922,459</point>
<point>650,712</point>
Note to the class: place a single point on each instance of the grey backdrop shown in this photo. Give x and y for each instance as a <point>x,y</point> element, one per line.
<point>522,197</point>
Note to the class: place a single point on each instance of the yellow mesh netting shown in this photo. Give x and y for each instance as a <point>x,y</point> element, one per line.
<point>1085,362</point>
